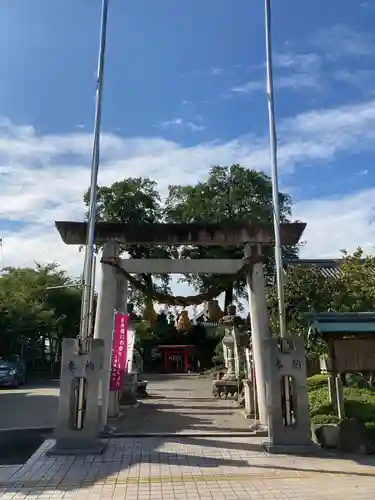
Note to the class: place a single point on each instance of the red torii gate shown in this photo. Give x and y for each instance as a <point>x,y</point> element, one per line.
<point>182,351</point>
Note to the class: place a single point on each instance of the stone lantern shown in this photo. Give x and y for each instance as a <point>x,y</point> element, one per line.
<point>228,341</point>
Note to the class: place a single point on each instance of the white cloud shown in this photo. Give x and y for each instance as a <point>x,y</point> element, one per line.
<point>298,81</point>
<point>43,178</point>
<point>171,123</point>
<point>293,81</point>
<point>361,79</point>
<point>338,223</point>
<point>339,41</point>
<point>179,122</point>
<point>336,128</point>
<point>216,71</point>
<point>310,62</point>
<point>292,71</point>
<point>250,87</point>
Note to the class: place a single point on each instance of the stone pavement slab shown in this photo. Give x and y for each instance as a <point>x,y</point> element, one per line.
<point>181,404</point>
<point>193,468</point>
<point>7,471</point>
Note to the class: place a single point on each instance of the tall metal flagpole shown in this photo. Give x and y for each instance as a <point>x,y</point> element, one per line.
<point>87,295</point>
<point>274,175</point>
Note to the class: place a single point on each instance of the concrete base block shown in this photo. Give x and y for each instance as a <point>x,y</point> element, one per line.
<point>107,431</point>
<point>327,435</point>
<point>142,388</point>
<point>291,449</point>
<point>129,392</point>
<point>128,399</point>
<point>258,429</point>
<point>77,447</point>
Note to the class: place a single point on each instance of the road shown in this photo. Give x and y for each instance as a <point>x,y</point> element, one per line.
<point>178,404</point>
<point>28,407</point>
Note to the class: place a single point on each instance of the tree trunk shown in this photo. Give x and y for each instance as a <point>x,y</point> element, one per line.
<point>147,278</point>
<point>228,298</point>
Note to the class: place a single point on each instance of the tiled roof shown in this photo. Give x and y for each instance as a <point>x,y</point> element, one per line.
<point>328,267</point>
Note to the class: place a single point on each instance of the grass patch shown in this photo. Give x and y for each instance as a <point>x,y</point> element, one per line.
<point>359,403</point>
<point>317,381</point>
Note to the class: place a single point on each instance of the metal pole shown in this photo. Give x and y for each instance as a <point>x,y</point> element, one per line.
<point>74,285</point>
<point>86,308</point>
<point>90,243</point>
<point>274,175</point>
<point>92,294</point>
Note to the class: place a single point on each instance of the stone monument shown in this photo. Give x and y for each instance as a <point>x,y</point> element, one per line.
<point>288,411</point>
<point>77,367</point>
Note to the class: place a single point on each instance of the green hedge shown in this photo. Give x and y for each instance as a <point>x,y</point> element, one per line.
<point>359,402</point>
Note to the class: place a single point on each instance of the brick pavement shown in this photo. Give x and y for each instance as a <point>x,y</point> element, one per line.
<point>184,467</point>
<point>189,468</point>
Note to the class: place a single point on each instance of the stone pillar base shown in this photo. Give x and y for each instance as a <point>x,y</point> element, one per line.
<point>292,449</point>
<point>129,391</point>
<point>77,446</point>
<point>251,406</point>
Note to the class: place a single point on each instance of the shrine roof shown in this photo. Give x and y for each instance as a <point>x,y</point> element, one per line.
<point>175,346</point>
<point>333,323</point>
<point>328,268</point>
<point>225,234</point>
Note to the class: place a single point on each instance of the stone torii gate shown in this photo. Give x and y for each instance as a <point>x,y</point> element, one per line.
<point>253,238</point>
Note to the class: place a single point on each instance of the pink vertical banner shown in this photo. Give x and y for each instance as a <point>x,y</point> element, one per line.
<point>119,351</point>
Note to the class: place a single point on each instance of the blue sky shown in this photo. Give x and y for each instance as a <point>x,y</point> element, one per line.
<point>184,89</point>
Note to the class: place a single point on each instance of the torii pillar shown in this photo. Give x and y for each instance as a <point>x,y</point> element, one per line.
<point>260,329</point>
<point>112,297</point>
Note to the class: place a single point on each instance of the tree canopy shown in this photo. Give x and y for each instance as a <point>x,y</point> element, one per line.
<point>230,193</point>
<point>31,311</point>
<point>351,288</point>
<point>134,200</point>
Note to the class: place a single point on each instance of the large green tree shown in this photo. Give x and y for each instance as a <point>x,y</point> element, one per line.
<point>33,311</point>
<point>229,194</point>
<point>134,200</point>
<point>351,288</point>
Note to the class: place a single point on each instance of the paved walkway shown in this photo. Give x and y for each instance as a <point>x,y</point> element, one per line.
<point>185,467</point>
<point>182,404</point>
<point>189,468</point>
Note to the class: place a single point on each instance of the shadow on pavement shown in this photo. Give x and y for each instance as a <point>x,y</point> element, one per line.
<point>17,446</point>
<point>28,407</point>
<point>27,417</point>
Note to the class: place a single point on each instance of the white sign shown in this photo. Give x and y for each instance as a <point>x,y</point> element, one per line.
<point>130,350</point>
